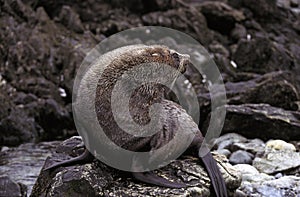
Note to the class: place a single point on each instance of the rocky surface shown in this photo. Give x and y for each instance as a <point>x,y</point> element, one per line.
<point>262,121</point>
<point>255,44</point>
<point>44,43</point>
<point>98,179</point>
<point>11,188</point>
<point>20,166</point>
<point>273,167</point>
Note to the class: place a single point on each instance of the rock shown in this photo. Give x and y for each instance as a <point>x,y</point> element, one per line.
<point>17,127</point>
<point>284,186</point>
<point>224,151</point>
<point>251,175</point>
<point>294,3</point>
<point>261,184</point>
<point>246,169</point>
<point>250,120</point>
<point>278,175</point>
<point>253,146</point>
<point>262,9</point>
<point>183,19</point>
<point>261,55</point>
<point>277,158</point>
<point>283,4</point>
<point>225,141</point>
<point>280,145</point>
<point>216,47</point>
<point>295,50</point>
<point>40,58</point>
<point>70,19</point>
<point>52,117</point>
<point>273,88</point>
<point>98,179</point>
<point>220,16</point>
<point>238,32</point>
<point>143,6</point>
<point>22,164</point>
<point>10,188</point>
<point>241,157</point>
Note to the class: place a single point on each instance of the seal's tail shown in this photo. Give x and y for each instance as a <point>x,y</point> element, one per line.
<point>215,175</point>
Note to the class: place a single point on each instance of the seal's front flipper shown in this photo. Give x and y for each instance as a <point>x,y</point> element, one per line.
<point>85,157</point>
<point>151,178</point>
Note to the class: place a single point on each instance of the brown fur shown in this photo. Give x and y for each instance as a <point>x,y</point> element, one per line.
<point>140,101</point>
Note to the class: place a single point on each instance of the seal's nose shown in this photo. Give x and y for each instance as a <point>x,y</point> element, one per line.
<point>182,60</point>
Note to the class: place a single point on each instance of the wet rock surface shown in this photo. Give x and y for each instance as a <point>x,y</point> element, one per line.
<point>11,188</point>
<point>254,43</point>
<point>20,166</point>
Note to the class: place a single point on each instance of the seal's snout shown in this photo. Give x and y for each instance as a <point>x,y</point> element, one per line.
<point>182,60</point>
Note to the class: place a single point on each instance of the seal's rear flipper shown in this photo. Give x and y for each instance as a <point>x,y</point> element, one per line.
<point>151,178</point>
<point>86,157</point>
<point>215,175</point>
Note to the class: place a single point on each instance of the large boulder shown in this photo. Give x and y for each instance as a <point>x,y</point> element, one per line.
<point>99,179</point>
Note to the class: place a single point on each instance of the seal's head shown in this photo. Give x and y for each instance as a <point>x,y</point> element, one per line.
<point>148,67</point>
<point>163,54</point>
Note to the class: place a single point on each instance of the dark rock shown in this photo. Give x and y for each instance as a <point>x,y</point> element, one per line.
<point>6,103</point>
<point>53,118</point>
<point>187,20</point>
<point>294,3</point>
<point>218,48</point>
<point>238,32</point>
<point>262,121</point>
<point>262,9</point>
<point>70,19</point>
<point>10,188</point>
<point>220,16</point>
<point>98,179</point>
<point>18,127</point>
<point>295,50</point>
<point>241,157</point>
<point>19,10</point>
<point>23,163</point>
<point>260,55</point>
<point>273,88</point>
<point>40,59</point>
<point>143,6</point>
<point>23,99</point>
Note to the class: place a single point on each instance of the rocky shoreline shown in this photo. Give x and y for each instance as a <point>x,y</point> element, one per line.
<point>255,44</point>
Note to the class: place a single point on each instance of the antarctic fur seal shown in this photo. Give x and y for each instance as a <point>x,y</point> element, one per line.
<point>113,67</point>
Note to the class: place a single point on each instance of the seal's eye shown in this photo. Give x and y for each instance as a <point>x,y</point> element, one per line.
<point>155,54</point>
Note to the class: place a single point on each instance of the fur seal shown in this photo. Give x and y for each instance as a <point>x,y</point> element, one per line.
<point>118,62</point>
